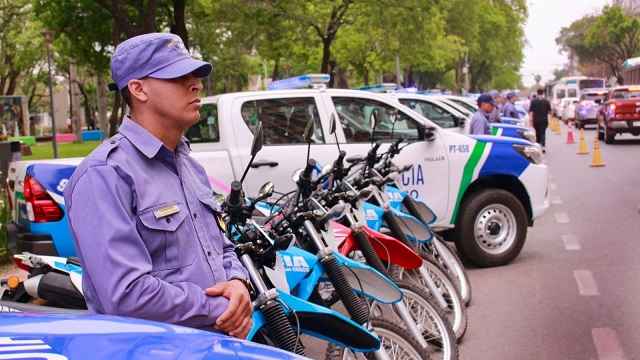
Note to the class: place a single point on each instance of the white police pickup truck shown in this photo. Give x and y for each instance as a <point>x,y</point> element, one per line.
<point>485,190</point>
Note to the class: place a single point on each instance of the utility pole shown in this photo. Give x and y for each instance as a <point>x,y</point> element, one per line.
<point>76,123</point>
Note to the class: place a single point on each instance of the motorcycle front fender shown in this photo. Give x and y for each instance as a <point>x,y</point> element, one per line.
<point>413,228</point>
<point>393,250</point>
<point>369,282</point>
<point>425,214</point>
<point>329,325</point>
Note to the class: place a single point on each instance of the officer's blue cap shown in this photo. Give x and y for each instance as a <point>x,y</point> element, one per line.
<point>156,55</point>
<point>511,94</point>
<point>485,98</point>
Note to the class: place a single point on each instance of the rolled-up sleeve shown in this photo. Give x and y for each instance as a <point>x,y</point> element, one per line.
<point>117,264</point>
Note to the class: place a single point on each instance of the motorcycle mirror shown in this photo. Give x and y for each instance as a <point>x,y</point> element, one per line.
<point>332,124</point>
<point>373,119</point>
<point>296,175</point>
<point>257,139</point>
<point>266,190</point>
<point>256,145</point>
<point>219,199</point>
<point>308,130</point>
<point>326,170</point>
<point>393,116</point>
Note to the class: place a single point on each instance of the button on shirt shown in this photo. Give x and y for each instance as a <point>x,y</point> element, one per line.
<point>144,224</point>
<point>480,123</point>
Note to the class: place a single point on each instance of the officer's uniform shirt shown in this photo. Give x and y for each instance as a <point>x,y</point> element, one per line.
<point>480,123</point>
<point>156,240</point>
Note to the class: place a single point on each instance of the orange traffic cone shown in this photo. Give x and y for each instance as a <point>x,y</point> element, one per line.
<point>597,161</point>
<point>583,144</point>
<point>570,134</point>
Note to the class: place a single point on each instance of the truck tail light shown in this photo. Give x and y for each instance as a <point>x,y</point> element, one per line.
<point>40,205</point>
<point>613,110</point>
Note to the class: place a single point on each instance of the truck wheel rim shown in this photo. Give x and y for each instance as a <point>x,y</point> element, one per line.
<point>495,229</point>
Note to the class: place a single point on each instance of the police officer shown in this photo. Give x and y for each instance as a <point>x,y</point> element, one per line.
<point>510,106</point>
<point>480,120</point>
<point>141,211</point>
<point>494,117</point>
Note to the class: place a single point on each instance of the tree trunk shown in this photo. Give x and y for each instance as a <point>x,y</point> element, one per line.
<point>102,105</point>
<point>113,119</point>
<point>76,122</point>
<point>179,26</point>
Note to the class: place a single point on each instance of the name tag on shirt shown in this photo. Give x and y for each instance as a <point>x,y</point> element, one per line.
<point>166,211</point>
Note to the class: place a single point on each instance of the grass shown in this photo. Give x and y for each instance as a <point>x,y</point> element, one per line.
<point>44,150</point>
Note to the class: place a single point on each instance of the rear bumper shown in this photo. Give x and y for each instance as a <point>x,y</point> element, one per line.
<point>624,126</point>
<point>19,241</point>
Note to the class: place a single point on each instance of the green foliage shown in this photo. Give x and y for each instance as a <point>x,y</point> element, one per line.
<point>44,150</point>
<point>5,215</point>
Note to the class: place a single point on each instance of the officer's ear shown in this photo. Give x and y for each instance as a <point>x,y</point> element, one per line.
<point>137,90</point>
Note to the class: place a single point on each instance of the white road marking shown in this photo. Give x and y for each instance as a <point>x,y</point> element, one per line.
<point>607,344</point>
<point>571,242</point>
<point>562,218</point>
<point>556,200</point>
<point>553,186</point>
<point>586,283</point>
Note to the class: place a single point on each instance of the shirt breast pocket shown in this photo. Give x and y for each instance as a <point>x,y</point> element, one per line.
<point>167,237</point>
<point>213,219</point>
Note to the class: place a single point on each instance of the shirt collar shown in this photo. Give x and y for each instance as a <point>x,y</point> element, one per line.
<point>145,142</point>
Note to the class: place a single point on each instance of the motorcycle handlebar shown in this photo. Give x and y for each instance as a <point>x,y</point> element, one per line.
<point>234,200</point>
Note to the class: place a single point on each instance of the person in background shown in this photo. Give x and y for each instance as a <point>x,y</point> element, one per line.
<point>510,106</point>
<point>539,111</point>
<point>494,117</point>
<point>480,120</point>
<point>158,249</point>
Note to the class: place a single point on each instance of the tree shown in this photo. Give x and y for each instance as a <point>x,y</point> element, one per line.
<point>614,37</point>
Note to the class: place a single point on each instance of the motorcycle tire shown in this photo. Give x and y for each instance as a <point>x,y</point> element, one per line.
<point>396,340</point>
<point>455,311</point>
<point>457,271</point>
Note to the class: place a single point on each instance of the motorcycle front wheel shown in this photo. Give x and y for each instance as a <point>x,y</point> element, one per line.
<point>395,340</point>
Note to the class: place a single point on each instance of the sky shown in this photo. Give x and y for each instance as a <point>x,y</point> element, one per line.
<point>546,18</point>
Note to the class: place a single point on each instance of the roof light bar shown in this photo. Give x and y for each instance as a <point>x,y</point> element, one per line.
<point>385,87</point>
<point>409,90</point>
<point>300,82</point>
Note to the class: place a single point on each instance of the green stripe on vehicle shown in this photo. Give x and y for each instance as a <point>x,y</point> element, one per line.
<point>467,175</point>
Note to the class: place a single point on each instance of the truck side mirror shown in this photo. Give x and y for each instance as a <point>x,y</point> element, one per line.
<point>393,116</point>
<point>427,133</point>
<point>462,121</point>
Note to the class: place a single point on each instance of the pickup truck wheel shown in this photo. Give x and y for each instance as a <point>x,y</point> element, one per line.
<point>600,132</point>
<point>491,227</point>
<point>609,136</point>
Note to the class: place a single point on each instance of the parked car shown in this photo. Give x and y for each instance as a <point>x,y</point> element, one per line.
<point>34,334</point>
<point>559,109</point>
<point>569,111</point>
<point>620,113</point>
<point>586,111</point>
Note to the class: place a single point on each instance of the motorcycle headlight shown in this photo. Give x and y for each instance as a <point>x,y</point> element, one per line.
<point>530,152</point>
<point>527,135</point>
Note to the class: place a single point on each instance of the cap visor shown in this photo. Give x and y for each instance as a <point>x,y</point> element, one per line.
<point>183,67</point>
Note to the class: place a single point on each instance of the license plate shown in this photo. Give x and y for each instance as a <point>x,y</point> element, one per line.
<point>636,123</point>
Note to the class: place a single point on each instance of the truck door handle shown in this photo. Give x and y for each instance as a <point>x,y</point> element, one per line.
<point>260,163</point>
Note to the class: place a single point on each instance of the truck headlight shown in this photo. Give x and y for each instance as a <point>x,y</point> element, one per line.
<point>527,135</point>
<point>530,152</point>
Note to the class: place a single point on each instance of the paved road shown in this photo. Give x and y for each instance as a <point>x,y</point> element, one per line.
<point>574,292</point>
